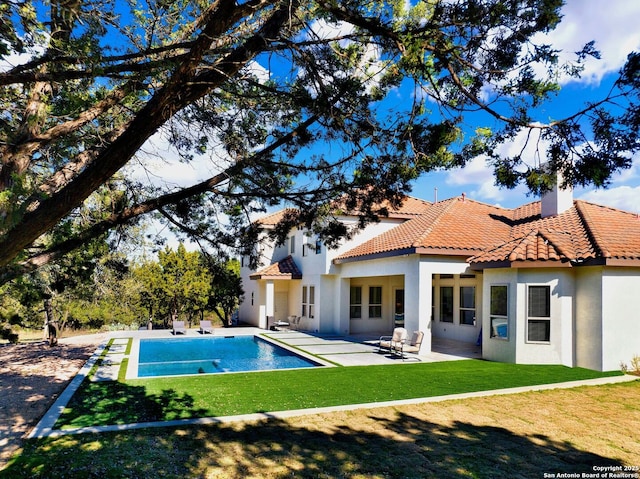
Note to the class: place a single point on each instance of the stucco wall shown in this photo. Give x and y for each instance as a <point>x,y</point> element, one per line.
<point>559,350</point>
<point>620,316</point>
<point>588,317</point>
<point>456,330</point>
<point>497,349</point>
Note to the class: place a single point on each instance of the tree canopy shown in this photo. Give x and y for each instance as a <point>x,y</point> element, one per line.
<point>283,101</point>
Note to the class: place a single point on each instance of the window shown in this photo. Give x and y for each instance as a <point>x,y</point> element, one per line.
<point>375,301</point>
<point>499,312</point>
<point>312,301</point>
<point>398,317</point>
<point>355,302</point>
<point>318,246</point>
<point>292,244</point>
<point>308,301</point>
<point>304,301</point>
<point>539,314</point>
<point>468,305</point>
<point>446,304</point>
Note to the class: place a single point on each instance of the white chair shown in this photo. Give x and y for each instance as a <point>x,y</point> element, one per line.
<point>412,346</point>
<point>390,343</point>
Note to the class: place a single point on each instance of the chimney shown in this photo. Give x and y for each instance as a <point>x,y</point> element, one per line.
<point>557,200</point>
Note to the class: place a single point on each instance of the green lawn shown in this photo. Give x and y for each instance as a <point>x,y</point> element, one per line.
<point>159,399</point>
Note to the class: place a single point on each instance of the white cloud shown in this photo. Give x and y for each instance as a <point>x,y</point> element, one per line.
<point>613,24</point>
<point>158,163</point>
<point>622,197</point>
<point>323,30</point>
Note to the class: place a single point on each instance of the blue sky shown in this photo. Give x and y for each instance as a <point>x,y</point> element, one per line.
<point>613,25</point>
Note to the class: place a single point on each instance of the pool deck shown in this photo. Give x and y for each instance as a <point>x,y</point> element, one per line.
<point>350,350</point>
<point>362,350</point>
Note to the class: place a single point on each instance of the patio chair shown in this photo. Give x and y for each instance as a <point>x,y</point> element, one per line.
<point>295,322</point>
<point>389,343</point>
<point>206,327</point>
<point>412,346</point>
<point>179,327</point>
<point>282,324</point>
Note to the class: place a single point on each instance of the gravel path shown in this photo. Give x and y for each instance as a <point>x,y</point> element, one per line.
<point>32,375</point>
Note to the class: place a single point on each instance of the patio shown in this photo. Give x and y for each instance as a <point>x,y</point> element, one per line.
<point>362,350</point>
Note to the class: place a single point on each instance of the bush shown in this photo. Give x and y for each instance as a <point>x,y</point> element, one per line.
<point>7,333</point>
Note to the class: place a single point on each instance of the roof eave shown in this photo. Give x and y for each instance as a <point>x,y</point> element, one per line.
<point>284,277</point>
<point>622,262</point>
<point>382,254</point>
<point>478,266</point>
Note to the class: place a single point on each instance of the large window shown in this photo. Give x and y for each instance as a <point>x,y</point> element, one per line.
<point>355,302</point>
<point>375,301</point>
<point>468,305</point>
<point>446,304</point>
<point>539,314</point>
<point>499,312</point>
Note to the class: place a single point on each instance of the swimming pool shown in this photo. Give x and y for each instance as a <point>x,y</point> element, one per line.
<point>208,355</point>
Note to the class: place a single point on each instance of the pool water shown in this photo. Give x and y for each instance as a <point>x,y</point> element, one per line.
<point>206,355</point>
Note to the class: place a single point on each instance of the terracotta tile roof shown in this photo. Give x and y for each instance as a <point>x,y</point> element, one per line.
<point>490,234</point>
<point>615,233</point>
<point>284,269</point>
<point>274,218</point>
<point>455,226</point>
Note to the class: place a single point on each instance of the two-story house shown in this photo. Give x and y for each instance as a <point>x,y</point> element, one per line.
<point>550,282</point>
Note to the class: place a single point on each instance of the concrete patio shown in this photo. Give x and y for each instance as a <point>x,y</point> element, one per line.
<point>362,350</point>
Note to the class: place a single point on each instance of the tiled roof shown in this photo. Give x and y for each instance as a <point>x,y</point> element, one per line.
<point>455,226</point>
<point>488,234</point>
<point>409,208</point>
<point>615,233</point>
<point>274,218</point>
<point>285,269</point>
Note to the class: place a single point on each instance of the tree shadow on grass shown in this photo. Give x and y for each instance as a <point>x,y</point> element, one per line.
<point>120,403</point>
<point>402,446</point>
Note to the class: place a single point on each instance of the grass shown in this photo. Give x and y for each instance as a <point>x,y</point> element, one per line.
<point>517,436</point>
<point>161,399</point>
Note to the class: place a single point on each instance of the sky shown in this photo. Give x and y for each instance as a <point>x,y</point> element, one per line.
<point>613,24</point>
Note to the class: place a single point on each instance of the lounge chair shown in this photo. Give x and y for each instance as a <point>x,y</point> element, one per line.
<point>179,327</point>
<point>412,346</point>
<point>206,327</point>
<point>281,324</point>
<point>389,343</point>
